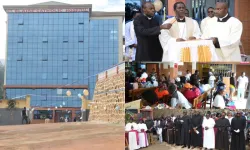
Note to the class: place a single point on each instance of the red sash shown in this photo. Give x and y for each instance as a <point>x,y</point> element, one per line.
<point>137,135</point>
<point>145,135</point>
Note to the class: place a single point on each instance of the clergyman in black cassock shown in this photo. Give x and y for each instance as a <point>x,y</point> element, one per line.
<point>170,131</point>
<point>196,130</point>
<point>238,125</point>
<point>147,30</point>
<point>185,130</point>
<point>222,139</point>
<point>177,125</point>
<point>164,130</point>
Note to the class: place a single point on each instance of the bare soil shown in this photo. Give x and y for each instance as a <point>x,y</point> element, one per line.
<point>63,136</point>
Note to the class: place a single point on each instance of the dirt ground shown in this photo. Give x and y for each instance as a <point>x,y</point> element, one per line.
<point>62,136</point>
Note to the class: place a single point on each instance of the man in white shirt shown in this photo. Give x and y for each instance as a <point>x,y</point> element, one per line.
<point>183,28</point>
<point>130,38</point>
<point>178,100</point>
<point>242,86</point>
<point>210,13</point>
<point>211,80</point>
<point>188,75</point>
<point>225,31</point>
<point>229,117</point>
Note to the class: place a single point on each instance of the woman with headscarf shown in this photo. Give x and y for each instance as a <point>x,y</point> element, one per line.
<point>189,93</point>
<point>219,102</point>
<point>161,92</point>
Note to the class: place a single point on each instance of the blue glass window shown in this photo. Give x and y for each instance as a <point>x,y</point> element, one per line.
<point>65,76</point>
<point>80,57</point>
<point>80,21</point>
<point>45,57</point>
<point>65,39</point>
<point>20,21</point>
<point>19,58</point>
<point>45,39</point>
<point>44,76</point>
<point>80,39</point>
<point>20,40</point>
<point>65,57</point>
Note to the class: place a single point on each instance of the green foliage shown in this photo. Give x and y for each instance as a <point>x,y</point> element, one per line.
<point>128,118</point>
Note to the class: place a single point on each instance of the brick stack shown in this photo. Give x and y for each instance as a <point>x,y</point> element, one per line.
<point>109,93</point>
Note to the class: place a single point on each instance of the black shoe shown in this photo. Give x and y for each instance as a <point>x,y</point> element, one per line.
<point>183,146</point>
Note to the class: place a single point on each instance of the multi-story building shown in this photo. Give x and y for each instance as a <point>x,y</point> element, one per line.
<point>55,47</point>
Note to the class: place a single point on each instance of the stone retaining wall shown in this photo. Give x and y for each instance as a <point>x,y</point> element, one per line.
<point>109,96</point>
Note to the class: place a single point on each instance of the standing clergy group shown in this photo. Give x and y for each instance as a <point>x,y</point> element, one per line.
<point>208,132</point>
<point>154,40</point>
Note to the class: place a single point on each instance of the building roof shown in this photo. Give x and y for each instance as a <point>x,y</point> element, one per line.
<point>50,3</point>
<point>48,6</point>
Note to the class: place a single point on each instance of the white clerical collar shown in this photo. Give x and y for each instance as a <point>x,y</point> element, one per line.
<point>149,18</point>
<point>223,17</point>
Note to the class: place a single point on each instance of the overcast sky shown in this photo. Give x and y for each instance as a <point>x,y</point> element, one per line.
<point>97,5</point>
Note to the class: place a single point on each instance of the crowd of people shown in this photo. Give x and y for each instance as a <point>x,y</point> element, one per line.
<point>181,91</point>
<point>148,40</point>
<point>210,130</point>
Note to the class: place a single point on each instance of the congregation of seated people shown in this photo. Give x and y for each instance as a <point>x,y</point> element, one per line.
<point>154,89</point>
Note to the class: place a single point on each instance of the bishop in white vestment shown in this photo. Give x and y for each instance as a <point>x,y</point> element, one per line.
<point>208,133</point>
<point>133,136</point>
<point>183,28</point>
<point>143,139</point>
<point>225,31</point>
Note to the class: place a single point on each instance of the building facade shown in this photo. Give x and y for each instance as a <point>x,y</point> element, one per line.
<point>55,47</point>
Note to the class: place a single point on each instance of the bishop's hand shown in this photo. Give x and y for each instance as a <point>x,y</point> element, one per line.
<point>179,40</point>
<point>214,39</point>
<point>192,38</point>
<point>166,26</point>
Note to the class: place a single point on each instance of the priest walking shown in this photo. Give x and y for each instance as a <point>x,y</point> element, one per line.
<point>238,125</point>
